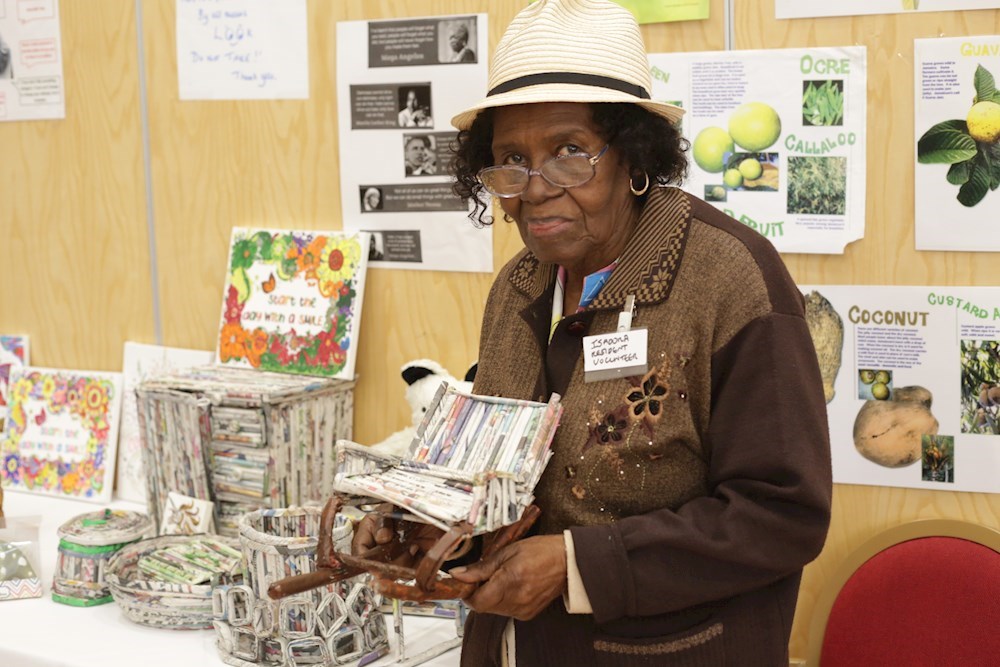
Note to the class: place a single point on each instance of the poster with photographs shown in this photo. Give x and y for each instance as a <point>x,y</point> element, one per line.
<point>31,71</point>
<point>777,138</point>
<point>399,84</point>
<point>796,9</point>
<point>957,127</point>
<point>912,382</point>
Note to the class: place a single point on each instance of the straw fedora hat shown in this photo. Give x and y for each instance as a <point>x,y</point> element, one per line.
<point>570,51</point>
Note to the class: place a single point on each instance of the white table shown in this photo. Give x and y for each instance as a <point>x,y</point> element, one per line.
<point>43,633</point>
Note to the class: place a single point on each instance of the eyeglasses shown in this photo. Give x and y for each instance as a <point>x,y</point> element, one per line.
<point>563,171</point>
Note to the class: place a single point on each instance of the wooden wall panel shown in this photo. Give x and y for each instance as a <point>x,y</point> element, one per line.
<point>222,164</point>
<point>886,254</point>
<point>73,240</point>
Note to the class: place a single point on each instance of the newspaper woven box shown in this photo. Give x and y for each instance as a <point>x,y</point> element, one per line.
<point>244,439</point>
<point>474,460</point>
<point>332,625</point>
<point>86,544</point>
<point>161,604</point>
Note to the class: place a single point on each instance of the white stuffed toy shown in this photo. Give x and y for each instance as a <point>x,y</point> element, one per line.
<point>423,377</point>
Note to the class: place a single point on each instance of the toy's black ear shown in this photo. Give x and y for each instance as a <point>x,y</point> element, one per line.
<point>470,376</point>
<point>413,373</point>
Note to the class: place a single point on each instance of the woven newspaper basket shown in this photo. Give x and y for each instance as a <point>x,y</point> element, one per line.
<point>242,438</point>
<point>86,544</point>
<point>471,469</point>
<point>334,624</point>
<point>152,589</point>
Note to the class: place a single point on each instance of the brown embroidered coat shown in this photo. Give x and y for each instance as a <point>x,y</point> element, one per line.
<point>695,493</point>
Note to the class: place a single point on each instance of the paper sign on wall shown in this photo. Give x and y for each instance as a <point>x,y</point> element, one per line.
<point>31,72</point>
<point>957,129</point>
<point>793,9</point>
<point>399,83</point>
<point>242,50</point>
<point>912,379</point>
<point>777,138</point>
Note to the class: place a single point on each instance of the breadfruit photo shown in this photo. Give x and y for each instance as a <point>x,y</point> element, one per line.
<point>888,432</point>
<point>827,332</point>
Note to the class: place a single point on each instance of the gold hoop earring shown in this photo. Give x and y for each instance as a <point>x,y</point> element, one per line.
<point>507,218</point>
<point>641,191</point>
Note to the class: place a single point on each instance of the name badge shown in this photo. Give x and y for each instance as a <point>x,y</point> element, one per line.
<point>613,355</point>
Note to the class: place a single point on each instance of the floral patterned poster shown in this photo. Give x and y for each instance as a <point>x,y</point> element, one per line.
<point>292,301</point>
<point>62,432</point>
<point>13,356</point>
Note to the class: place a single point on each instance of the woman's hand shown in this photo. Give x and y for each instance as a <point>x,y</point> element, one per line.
<point>374,534</point>
<point>520,580</point>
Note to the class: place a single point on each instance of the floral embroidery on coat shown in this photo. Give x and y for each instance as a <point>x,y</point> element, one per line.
<point>645,400</point>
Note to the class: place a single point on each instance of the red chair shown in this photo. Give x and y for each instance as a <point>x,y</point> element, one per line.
<point>923,593</point>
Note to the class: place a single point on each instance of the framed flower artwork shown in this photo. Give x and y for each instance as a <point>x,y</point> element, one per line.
<point>292,301</point>
<point>62,433</point>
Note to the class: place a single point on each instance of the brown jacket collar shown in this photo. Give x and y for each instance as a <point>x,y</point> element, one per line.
<point>648,265</point>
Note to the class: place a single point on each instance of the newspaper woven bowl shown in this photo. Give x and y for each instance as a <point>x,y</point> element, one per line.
<point>165,605</point>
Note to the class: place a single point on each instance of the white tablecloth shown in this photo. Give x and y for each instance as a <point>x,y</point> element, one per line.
<point>42,633</point>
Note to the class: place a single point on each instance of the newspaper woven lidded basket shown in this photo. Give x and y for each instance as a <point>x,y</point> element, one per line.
<point>331,625</point>
<point>86,544</point>
<point>244,439</point>
<point>166,582</point>
<point>474,460</point>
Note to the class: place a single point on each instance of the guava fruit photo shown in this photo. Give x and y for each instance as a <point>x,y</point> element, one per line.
<point>754,126</point>
<point>971,146</point>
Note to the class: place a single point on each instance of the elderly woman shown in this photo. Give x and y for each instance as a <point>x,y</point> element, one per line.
<point>682,501</point>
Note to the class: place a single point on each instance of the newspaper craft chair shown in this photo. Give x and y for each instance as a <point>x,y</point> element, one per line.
<point>922,593</point>
<point>470,471</point>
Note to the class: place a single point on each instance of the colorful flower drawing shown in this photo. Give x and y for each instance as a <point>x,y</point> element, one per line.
<point>62,433</point>
<point>293,301</point>
<point>13,356</point>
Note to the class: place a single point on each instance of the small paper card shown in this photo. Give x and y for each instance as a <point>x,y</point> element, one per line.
<point>142,361</point>
<point>13,356</point>
<point>617,354</point>
<point>184,515</point>
<point>62,433</point>
<point>292,301</point>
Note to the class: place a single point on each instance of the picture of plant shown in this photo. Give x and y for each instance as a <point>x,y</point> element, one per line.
<point>980,387</point>
<point>754,172</point>
<point>817,185</point>
<point>874,384</point>
<point>753,126</point>
<point>937,458</point>
<point>823,102</point>
<point>715,193</point>
<point>971,146</point>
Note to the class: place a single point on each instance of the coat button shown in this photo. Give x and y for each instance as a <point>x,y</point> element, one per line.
<point>577,328</point>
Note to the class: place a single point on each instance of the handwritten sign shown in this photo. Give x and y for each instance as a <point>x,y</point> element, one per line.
<point>618,354</point>
<point>242,50</point>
